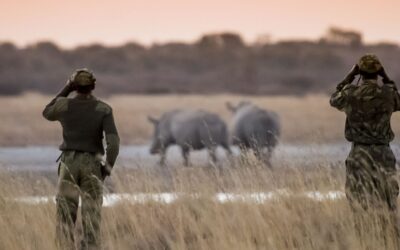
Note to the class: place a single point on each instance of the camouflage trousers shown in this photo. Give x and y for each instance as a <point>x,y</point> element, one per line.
<point>372,189</point>
<point>79,176</point>
<point>371,176</point>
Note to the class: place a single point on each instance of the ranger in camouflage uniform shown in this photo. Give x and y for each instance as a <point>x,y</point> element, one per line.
<point>81,172</point>
<point>371,164</point>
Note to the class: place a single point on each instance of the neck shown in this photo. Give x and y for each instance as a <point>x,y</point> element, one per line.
<point>370,79</point>
<point>84,96</point>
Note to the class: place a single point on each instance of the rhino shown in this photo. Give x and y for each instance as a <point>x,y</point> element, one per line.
<point>190,130</point>
<point>256,129</point>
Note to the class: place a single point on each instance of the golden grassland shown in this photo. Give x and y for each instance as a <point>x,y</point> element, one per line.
<point>202,223</point>
<point>294,222</point>
<point>304,119</point>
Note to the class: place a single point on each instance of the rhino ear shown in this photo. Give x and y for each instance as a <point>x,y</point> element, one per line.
<point>152,120</point>
<point>230,107</point>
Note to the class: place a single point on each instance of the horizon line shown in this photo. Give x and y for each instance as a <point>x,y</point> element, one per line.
<point>248,41</point>
<point>171,41</point>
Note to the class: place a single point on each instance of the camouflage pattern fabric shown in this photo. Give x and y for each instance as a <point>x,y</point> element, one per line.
<point>371,186</point>
<point>370,165</point>
<point>371,180</point>
<point>370,64</point>
<point>368,108</point>
<point>79,176</point>
<point>371,183</point>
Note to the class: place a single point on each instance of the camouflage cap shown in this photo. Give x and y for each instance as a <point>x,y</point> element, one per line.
<point>370,64</point>
<point>83,77</point>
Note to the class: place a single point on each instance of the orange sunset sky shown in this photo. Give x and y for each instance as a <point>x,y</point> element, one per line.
<point>73,22</point>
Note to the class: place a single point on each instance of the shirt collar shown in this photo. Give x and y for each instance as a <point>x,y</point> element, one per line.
<point>370,81</point>
<point>84,97</point>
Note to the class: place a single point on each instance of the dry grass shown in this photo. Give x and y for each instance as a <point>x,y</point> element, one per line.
<point>307,119</point>
<point>202,223</point>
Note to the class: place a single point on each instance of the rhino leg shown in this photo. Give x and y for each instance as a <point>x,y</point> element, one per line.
<point>270,149</point>
<point>185,155</point>
<point>243,150</point>
<point>163,156</point>
<point>267,161</point>
<point>213,155</point>
<point>264,156</point>
<point>228,150</point>
<point>258,153</point>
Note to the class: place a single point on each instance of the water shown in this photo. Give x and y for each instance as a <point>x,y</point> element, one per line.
<point>43,158</point>
<point>110,200</point>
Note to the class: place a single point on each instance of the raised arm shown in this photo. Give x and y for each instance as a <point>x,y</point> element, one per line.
<point>388,82</point>
<point>339,98</point>
<point>59,104</point>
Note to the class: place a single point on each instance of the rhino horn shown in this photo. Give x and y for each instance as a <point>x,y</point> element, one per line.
<point>152,119</point>
<point>230,106</point>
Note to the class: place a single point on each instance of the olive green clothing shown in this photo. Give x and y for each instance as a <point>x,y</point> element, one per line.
<point>79,176</point>
<point>84,119</point>
<point>371,176</point>
<point>368,108</point>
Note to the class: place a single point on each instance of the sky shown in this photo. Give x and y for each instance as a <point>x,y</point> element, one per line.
<point>70,23</point>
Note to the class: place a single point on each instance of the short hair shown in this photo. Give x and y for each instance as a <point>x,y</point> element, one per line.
<point>85,89</point>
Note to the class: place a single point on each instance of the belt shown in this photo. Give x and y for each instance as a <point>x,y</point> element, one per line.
<point>76,151</point>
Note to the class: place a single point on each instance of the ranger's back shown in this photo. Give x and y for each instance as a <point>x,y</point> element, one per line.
<point>82,171</point>
<point>84,118</point>
<point>368,105</point>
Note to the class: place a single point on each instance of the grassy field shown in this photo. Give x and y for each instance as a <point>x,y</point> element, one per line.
<point>306,119</point>
<point>293,222</point>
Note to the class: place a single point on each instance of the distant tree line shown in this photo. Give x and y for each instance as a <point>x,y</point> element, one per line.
<point>216,63</point>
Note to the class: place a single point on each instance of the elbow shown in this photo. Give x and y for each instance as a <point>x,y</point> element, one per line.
<point>47,116</point>
<point>112,148</point>
<point>115,148</point>
<point>45,113</point>
<point>113,143</point>
<point>335,100</point>
<point>116,142</point>
<point>332,103</point>
<point>336,105</point>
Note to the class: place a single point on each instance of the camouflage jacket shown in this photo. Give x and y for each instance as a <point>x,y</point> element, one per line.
<point>368,109</point>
